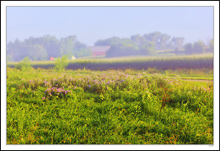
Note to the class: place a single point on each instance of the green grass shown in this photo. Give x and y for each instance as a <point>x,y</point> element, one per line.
<point>108,107</point>
<point>198,78</point>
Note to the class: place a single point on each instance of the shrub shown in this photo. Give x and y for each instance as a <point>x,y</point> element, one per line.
<point>24,65</point>
<point>61,63</point>
<point>55,92</point>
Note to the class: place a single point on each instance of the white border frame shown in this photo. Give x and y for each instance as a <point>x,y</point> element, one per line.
<point>215,4</point>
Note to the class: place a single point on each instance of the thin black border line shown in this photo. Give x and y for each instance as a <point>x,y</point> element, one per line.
<point>109,6</point>
<point>115,6</point>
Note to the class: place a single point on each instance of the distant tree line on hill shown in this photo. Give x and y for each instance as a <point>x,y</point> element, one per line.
<point>199,47</point>
<point>43,48</point>
<point>141,45</point>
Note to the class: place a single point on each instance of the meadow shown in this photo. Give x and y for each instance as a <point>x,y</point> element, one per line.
<point>129,106</point>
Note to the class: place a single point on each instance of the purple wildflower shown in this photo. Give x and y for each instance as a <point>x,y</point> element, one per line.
<point>89,86</point>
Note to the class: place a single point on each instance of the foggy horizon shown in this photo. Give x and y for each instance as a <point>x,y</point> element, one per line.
<point>90,24</point>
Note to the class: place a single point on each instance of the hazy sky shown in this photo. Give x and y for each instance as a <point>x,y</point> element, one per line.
<point>90,24</point>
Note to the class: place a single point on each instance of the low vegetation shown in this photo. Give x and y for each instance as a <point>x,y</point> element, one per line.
<point>109,107</point>
<point>61,63</point>
<point>24,65</point>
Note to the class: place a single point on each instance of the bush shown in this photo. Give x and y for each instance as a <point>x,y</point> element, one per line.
<point>24,65</point>
<point>61,63</point>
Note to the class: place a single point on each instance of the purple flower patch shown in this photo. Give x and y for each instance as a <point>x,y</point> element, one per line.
<point>54,91</point>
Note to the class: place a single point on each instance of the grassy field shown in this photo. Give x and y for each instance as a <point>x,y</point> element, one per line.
<point>110,107</point>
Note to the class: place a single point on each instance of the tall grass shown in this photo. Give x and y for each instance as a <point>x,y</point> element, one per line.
<point>113,107</point>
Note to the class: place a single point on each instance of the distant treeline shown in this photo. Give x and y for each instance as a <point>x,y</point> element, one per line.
<point>43,48</point>
<point>148,44</point>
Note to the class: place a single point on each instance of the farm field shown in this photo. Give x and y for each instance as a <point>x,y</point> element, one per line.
<point>151,106</point>
<point>138,63</point>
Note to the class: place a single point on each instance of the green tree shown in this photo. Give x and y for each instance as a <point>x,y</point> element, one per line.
<point>164,39</point>
<point>35,47</point>
<point>138,39</point>
<point>9,58</point>
<point>24,65</point>
<point>177,42</point>
<point>153,37</point>
<point>211,46</point>
<point>108,42</point>
<point>51,44</point>
<point>199,47</point>
<point>67,46</point>
<point>148,48</point>
<point>188,49</point>
<point>83,52</point>
<point>38,52</point>
<point>13,49</point>
<point>61,63</point>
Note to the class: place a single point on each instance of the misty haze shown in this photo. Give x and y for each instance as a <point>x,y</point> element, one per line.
<point>44,33</point>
